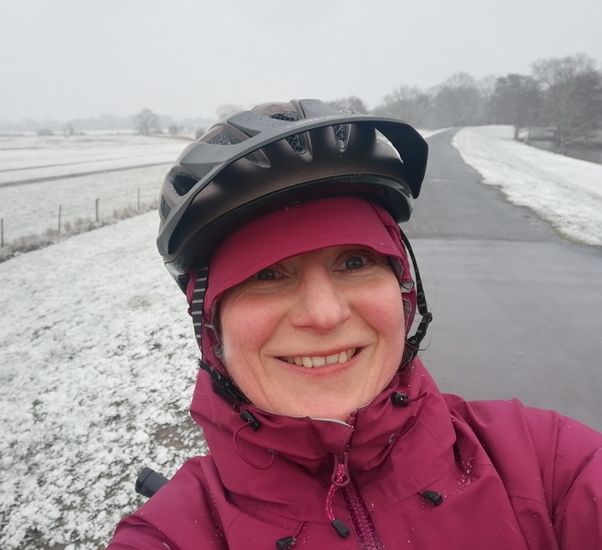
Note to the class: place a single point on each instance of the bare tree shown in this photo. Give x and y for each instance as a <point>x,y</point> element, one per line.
<point>351,103</point>
<point>515,100</point>
<point>458,102</point>
<point>410,104</point>
<point>572,97</point>
<point>227,109</point>
<point>146,121</point>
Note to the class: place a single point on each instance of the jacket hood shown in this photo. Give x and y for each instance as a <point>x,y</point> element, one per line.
<point>261,243</point>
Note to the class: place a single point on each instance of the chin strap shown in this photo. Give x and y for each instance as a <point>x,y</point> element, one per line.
<point>413,342</point>
<point>223,386</point>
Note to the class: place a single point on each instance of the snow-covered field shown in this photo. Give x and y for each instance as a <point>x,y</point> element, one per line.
<point>33,208</point>
<point>30,157</point>
<point>564,191</point>
<point>98,359</point>
<point>98,362</point>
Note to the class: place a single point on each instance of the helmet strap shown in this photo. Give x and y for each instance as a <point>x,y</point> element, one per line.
<point>224,386</point>
<point>413,342</point>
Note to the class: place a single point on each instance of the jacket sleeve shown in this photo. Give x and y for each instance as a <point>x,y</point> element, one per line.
<point>540,452</point>
<point>573,475</point>
<point>133,533</point>
<point>179,516</point>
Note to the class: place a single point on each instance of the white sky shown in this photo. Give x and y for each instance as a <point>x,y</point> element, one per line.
<point>63,59</point>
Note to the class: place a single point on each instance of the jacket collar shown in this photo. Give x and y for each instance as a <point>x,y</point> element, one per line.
<point>289,461</point>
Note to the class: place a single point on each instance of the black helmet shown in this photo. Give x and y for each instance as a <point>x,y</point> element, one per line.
<point>278,154</point>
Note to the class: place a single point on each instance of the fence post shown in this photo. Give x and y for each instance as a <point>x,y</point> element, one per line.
<point>96,209</point>
<point>138,193</point>
<point>60,212</point>
<point>1,232</point>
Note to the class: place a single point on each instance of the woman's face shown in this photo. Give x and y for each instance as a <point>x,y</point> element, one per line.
<point>319,334</point>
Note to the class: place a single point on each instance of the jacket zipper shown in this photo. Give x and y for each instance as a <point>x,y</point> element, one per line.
<point>360,517</point>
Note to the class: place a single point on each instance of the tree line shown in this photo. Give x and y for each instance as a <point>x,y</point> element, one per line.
<point>560,101</point>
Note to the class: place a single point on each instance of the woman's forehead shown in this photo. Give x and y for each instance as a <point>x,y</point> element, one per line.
<point>300,229</point>
<point>329,252</point>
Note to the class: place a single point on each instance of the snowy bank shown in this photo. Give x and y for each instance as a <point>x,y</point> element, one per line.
<point>564,191</point>
<point>96,376</point>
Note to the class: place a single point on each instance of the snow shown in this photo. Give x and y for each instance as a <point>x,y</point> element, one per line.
<point>98,357</point>
<point>564,191</point>
<point>98,363</point>
<point>33,208</point>
<point>428,133</point>
<point>30,157</point>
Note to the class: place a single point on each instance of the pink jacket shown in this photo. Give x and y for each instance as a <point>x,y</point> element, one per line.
<point>414,469</point>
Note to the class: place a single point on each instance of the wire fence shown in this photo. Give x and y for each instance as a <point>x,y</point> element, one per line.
<point>38,214</point>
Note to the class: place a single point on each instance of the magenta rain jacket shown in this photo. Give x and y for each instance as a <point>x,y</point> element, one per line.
<point>414,469</point>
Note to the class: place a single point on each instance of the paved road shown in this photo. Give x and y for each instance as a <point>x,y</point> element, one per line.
<point>518,309</point>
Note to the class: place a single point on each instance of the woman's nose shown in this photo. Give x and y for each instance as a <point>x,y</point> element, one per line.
<point>321,304</point>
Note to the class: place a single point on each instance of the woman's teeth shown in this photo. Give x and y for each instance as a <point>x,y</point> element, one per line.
<point>311,362</point>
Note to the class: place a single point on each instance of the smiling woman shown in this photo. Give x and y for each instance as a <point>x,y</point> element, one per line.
<point>324,428</point>
<point>322,330</point>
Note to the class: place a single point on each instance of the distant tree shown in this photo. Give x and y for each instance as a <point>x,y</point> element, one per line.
<point>174,129</point>
<point>45,132</point>
<point>515,100</point>
<point>486,85</point>
<point>351,103</point>
<point>409,104</point>
<point>68,130</point>
<point>227,109</point>
<point>572,97</point>
<point>458,102</point>
<point>146,121</point>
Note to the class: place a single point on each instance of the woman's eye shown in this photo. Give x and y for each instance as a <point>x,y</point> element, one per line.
<point>355,262</point>
<point>268,274</point>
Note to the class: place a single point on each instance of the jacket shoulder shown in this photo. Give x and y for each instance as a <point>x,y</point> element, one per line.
<point>182,511</point>
<point>557,440</point>
<point>530,446</point>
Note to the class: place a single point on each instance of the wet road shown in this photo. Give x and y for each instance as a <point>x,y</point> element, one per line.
<point>517,308</point>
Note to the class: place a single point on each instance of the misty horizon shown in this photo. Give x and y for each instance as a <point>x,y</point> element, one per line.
<point>69,60</point>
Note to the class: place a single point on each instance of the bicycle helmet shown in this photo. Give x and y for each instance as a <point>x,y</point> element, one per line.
<point>278,154</point>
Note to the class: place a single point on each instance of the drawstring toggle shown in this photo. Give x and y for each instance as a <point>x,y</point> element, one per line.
<point>340,528</point>
<point>285,543</point>
<point>432,497</point>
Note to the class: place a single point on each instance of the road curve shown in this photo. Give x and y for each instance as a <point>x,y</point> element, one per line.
<point>517,309</point>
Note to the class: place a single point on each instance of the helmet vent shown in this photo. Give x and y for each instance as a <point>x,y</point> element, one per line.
<point>165,208</point>
<point>341,133</point>
<point>183,183</point>
<point>288,115</point>
<point>224,138</point>
<point>297,142</point>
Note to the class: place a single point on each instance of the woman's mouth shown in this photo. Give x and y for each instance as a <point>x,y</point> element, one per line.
<point>317,361</point>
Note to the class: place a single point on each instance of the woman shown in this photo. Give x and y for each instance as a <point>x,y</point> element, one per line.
<point>324,428</point>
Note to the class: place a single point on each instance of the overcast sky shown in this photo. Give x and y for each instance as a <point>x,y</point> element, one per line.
<point>63,59</point>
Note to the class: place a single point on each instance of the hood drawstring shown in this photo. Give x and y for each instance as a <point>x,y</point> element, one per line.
<point>340,478</point>
<point>286,543</point>
<point>402,400</point>
<point>253,423</point>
